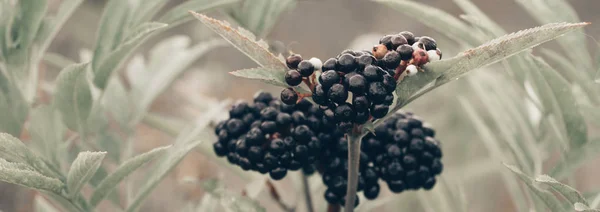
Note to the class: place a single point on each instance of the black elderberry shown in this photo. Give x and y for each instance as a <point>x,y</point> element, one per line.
<point>361,117</point>
<point>269,113</point>
<point>344,112</point>
<point>241,147</point>
<point>373,73</point>
<point>263,97</point>
<point>410,37</point>
<point>372,191</point>
<point>295,165</point>
<point>302,134</point>
<point>387,41</point>
<point>283,120</point>
<point>345,126</point>
<point>409,161</point>
<point>396,186</point>
<point>255,136</point>
<point>276,147</point>
<point>398,40</point>
<point>298,117</point>
<point>428,42</point>
<point>389,83</point>
<point>293,78</point>
<point>255,153</point>
<point>389,99</point>
<point>306,68</point>
<point>219,149</point>
<point>376,92</point>
<point>320,95</point>
<point>365,60</point>
<point>278,173</point>
<point>357,84</point>
<point>405,52</point>
<point>331,197</point>
<point>239,110</point>
<point>338,93</point>
<point>235,126</point>
<point>329,78</point>
<point>245,164</point>
<point>268,127</point>
<point>329,64</point>
<point>391,60</point>
<point>293,60</point>
<point>347,63</point>
<point>289,96</point>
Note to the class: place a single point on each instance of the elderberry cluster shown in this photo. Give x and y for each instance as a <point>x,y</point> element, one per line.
<point>270,137</point>
<point>402,152</point>
<point>357,86</point>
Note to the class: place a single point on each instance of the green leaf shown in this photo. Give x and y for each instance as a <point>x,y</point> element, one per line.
<point>545,11</point>
<point>51,27</point>
<point>145,10</point>
<point>112,29</point>
<point>550,200</point>
<point>28,178</point>
<point>31,15</point>
<point>573,120</point>
<point>273,76</point>
<point>117,57</point>
<point>47,132</point>
<point>15,151</point>
<point>168,60</point>
<point>82,170</point>
<point>124,170</point>
<point>575,158</point>
<point>57,60</point>
<point>244,41</point>
<point>259,16</point>
<point>73,97</point>
<point>178,14</point>
<point>14,105</point>
<point>184,143</point>
<point>567,191</point>
<point>118,102</point>
<point>485,21</point>
<point>436,19</point>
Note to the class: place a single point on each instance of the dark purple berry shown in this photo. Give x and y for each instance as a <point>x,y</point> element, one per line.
<point>357,84</point>
<point>409,161</point>
<point>398,40</point>
<point>376,92</point>
<point>263,97</point>
<point>220,150</point>
<point>331,197</point>
<point>347,63</point>
<point>345,126</point>
<point>329,78</point>
<point>389,83</point>
<point>255,153</point>
<point>289,96</point>
<point>255,136</point>
<point>283,120</point>
<point>428,42</point>
<point>276,146</point>
<point>338,93</point>
<point>389,99</point>
<point>410,37</point>
<point>302,134</point>
<point>239,110</point>
<point>429,183</point>
<point>306,68</point>
<point>391,59</point>
<point>394,151</point>
<point>344,112</point>
<point>436,167</point>
<point>293,60</point>
<point>361,117</point>
<point>278,173</point>
<point>366,60</point>
<point>298,117</point>
<point>269,127</point>
<point>269,113</point>
<point>405,51</point>
<point>387,41</point>
<point>234,127</point>
<point>379,111</point>
<point>320,95</point>
<point>361,103</point>
<point>329,64</point>
<point>293,78</point>
<point>371,192</point>
<point>373,73</point>
<point>396,186</point>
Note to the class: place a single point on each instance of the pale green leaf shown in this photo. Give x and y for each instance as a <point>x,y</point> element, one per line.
<point>547,197</point>
<point>14,106</point>
<point>437,19</point>
<point>124,170</point>
<point>184,143</point>
<point>57,60</point>
<point>145,10</point>
<point>573,119</point>
<point>273,76</point>
<point>567,191</point>
<point>117,57</point>
<point>179,14</point>
<point>31,15</point>
<point>259,16</point>
<point>47,132</point>
<point>575,158</point>
<point>15,151</point>
<point>545,11</point>
<point>142,30</point>
<point>82,170</point>
<point>112,143</point>
<point>244,41</point>
<point>51,27</point>
<point>117,100</point>
<point>578,206</point>
<point>111,30</point>
<point>168,60</point>
<point>73,97</point>
<point>28,178</point>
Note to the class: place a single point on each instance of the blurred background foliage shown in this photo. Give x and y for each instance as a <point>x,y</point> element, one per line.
<point>539,115</point>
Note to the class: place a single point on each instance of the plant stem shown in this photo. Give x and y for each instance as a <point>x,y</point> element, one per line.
<point>353,164</point>
<point>307,196</point>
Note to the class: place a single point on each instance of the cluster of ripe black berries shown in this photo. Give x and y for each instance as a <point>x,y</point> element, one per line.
<point>270,137</point>
<point>358,86</point>
<point>402,152</point>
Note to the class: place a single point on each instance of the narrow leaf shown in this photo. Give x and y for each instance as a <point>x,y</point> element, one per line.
<point>14,107</point>
<point>15,151</point>
<point>436,19</point>
<point>575,158</point>
<point>273,76</point>
<point>244,41</point>
<point>82,170</point>
<point>31,15</point>
<point>145,10</point>
<point>230,201</point>
<point>124,170</point>
<point>50,27</point>
<point>472,10</point>
<point>29,178</point>
<point>111,30</point>
<point>73,97</point>
<point>573,119</point>
<point>583,207</point>
<point>259,16</point>
<point>47,132</point>
<point>178,14</point>
<point>550,200</point>
<point>116,58</point>
<point>567,191</point>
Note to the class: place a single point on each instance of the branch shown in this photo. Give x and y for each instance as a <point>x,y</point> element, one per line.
<point>353,164</point>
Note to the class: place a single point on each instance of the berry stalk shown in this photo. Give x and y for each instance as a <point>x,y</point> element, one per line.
<point>354,139</point>
<point>307,196</point>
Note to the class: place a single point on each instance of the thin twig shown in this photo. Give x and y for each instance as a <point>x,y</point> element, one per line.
<point>354,139</point>
<point>307,196</point>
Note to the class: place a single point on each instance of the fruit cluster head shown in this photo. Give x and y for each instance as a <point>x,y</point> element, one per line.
<point>270,137</point>
<point>357,86</point>
<point>403,153</point>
